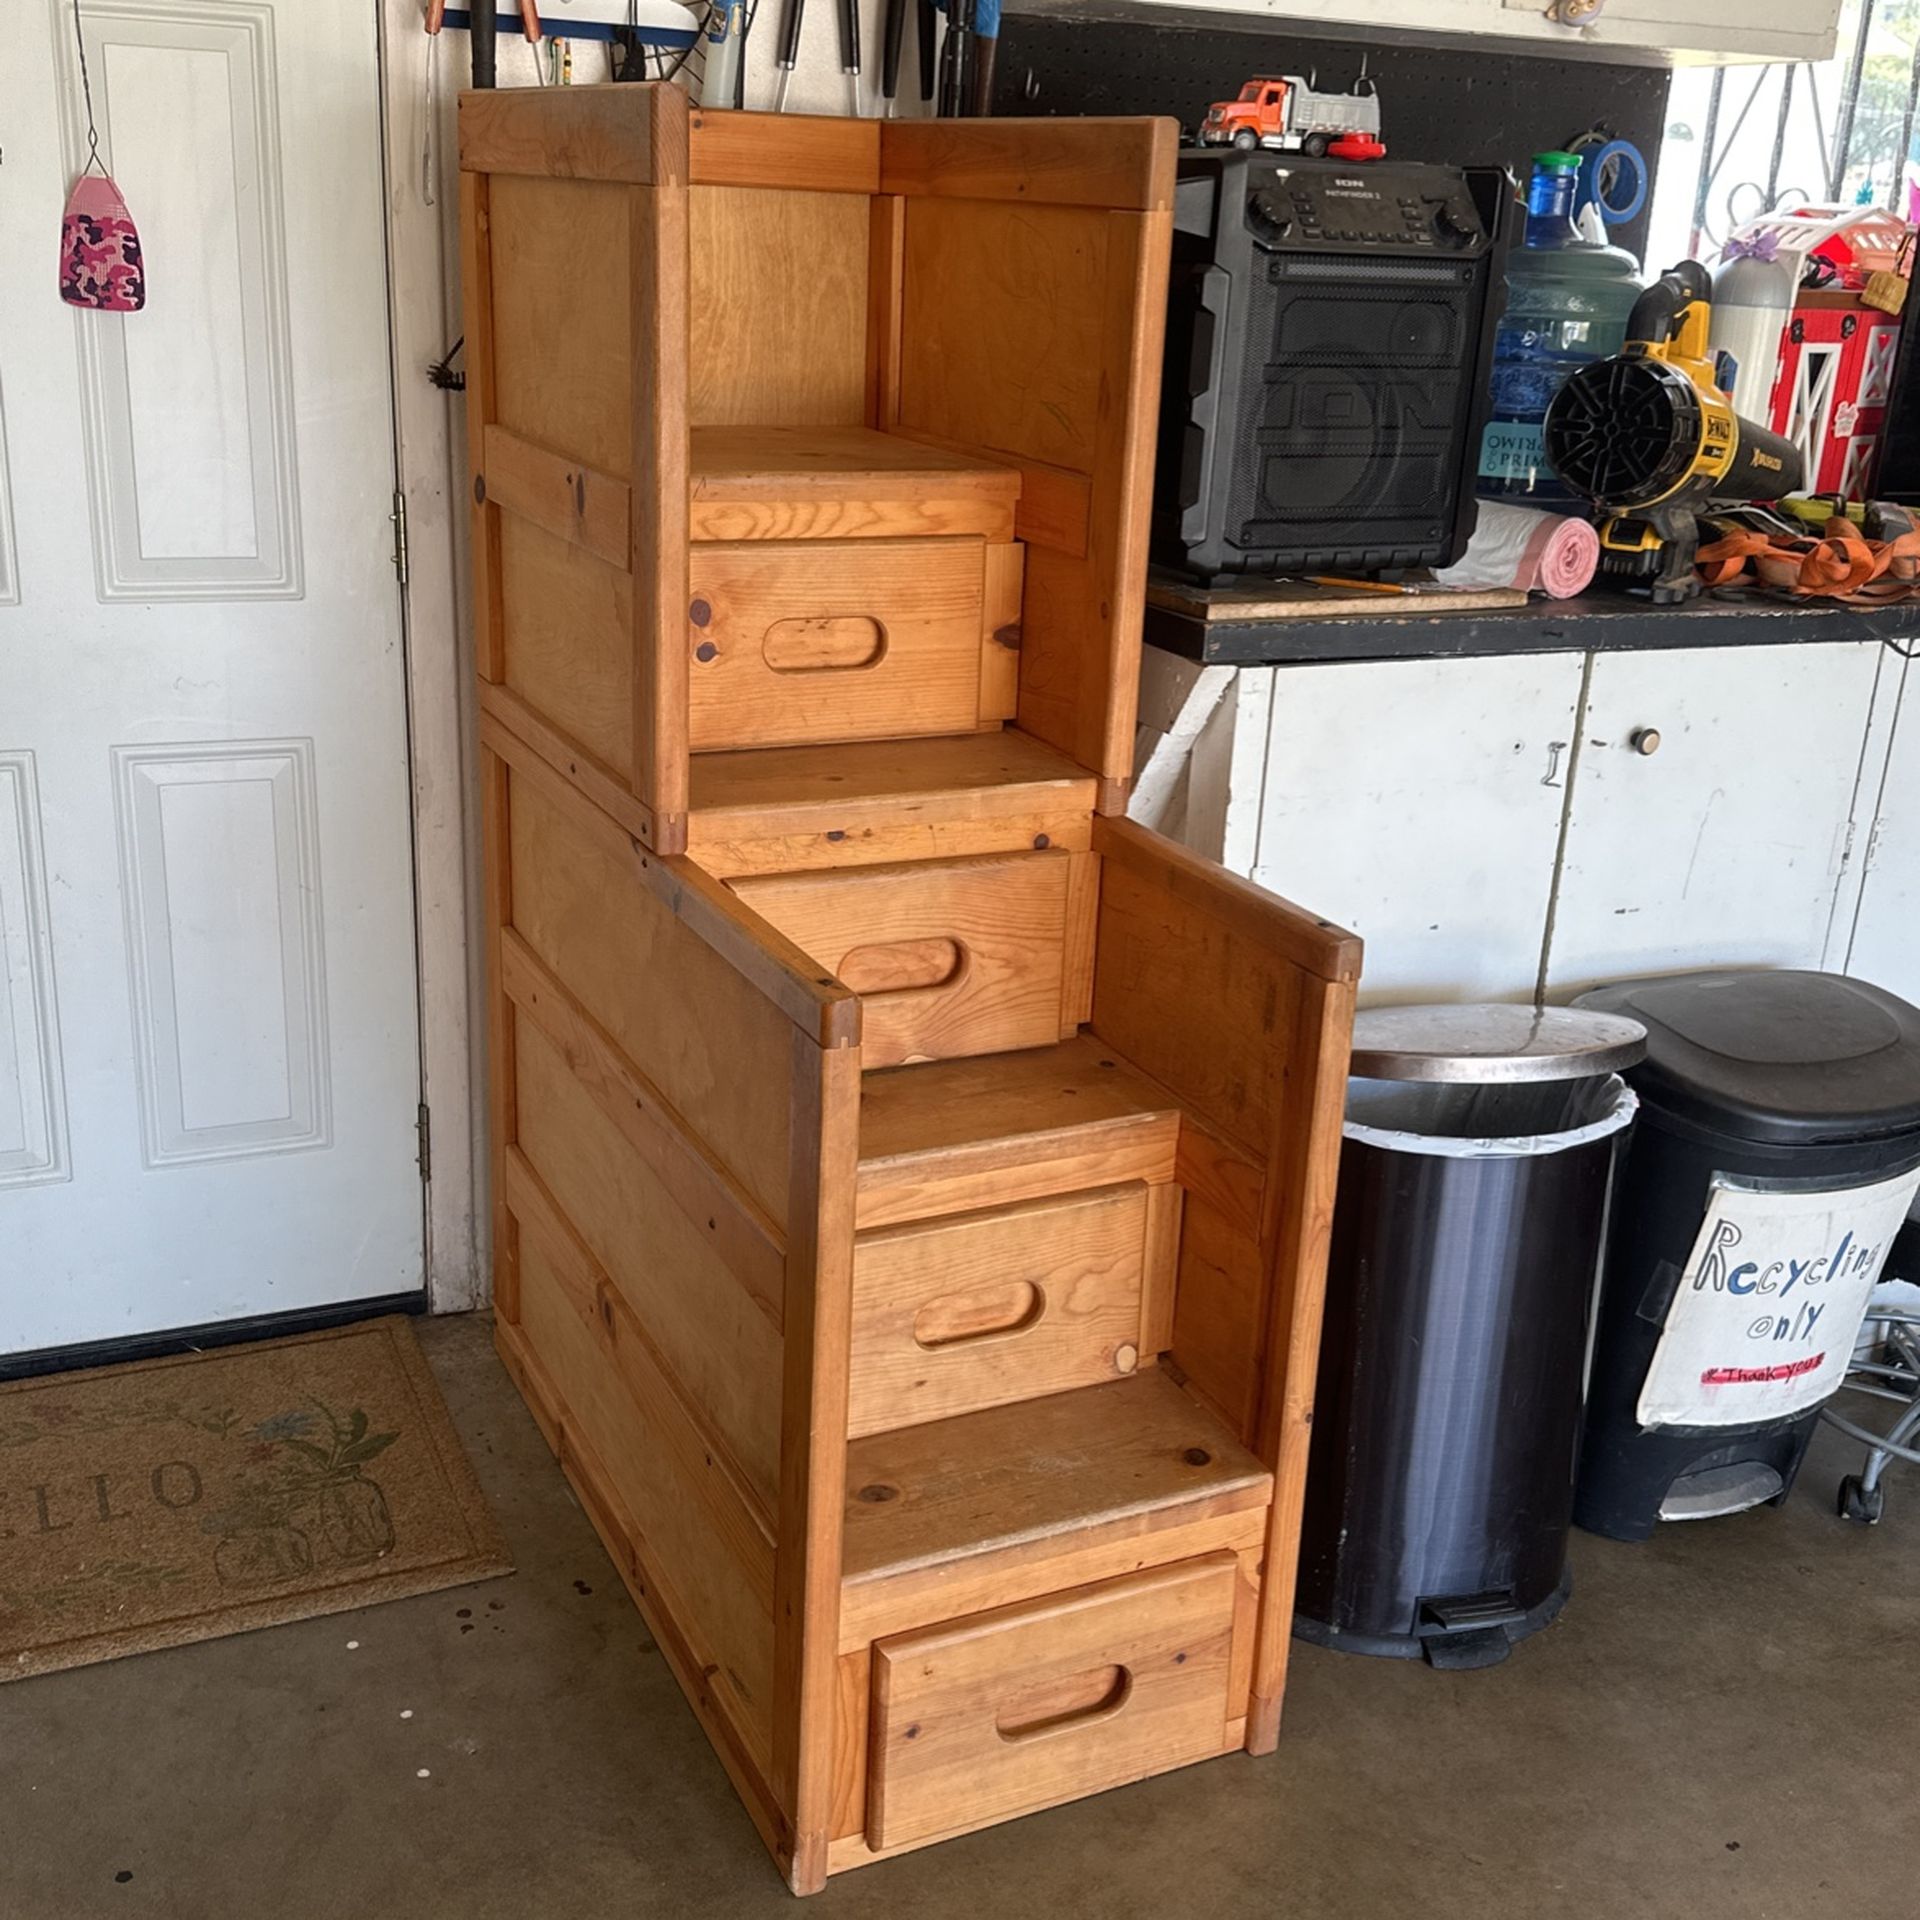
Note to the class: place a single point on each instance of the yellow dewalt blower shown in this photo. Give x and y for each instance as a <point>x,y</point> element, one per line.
<point>1651,439</point>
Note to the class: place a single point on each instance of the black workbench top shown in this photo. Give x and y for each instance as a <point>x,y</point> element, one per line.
<point>1595,623</point>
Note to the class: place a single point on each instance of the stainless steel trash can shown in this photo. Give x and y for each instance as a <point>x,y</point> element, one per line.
<point>1479,1152</point>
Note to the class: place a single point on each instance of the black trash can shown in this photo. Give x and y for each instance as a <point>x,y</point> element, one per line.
<point>1480,1145</point>
<point>1777,1155</point>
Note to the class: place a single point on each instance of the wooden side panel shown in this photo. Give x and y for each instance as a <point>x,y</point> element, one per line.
<point>567,497</point>
<point>1219,1307</point>
<point>566,620</point>
<point>779,291</point>
<point>1001,327</point>
<point>657,249</point>
<point>725,1589</point>
<point>1199,977</point>
<point>575,262</point>
<point>483,407</point>
<point>631,133</point>
<point>712,1046</point>
<point>562,317</point>
<point>712,1330</point>
<point>1072,297</point>
<point>1242,1006</point>
<point>813,1451</point>
<point>1305,1168</point>
<point>1054,162</point>
<point>502,1129</point>
<point>1000,657</point>
<point>676,1114</point>
<point>822,152</point>
<point>638,1564</point>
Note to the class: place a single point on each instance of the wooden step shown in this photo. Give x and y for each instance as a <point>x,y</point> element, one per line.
<point>815,483</point>
<point>986,1508</point>
<point>951,1135</point>
<point>779,809</point>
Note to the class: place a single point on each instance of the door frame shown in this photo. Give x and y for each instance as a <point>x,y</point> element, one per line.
<point>430,461</point>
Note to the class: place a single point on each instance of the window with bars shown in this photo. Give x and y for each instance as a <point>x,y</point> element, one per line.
<point>1740,139</point>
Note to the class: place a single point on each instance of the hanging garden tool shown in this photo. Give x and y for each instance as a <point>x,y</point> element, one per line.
<point>101,264</point>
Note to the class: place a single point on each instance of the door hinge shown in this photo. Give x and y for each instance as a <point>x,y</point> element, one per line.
<point>399,518</point>
<point>423,1131</point>
<point>1846,849</point>
<point>1873,844</point>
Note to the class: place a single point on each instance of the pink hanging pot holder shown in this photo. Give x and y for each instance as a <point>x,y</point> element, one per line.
<point>100,260</point>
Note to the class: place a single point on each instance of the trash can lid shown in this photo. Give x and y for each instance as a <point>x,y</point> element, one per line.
<point>1492,1045</point>
<point>1775,1056</point>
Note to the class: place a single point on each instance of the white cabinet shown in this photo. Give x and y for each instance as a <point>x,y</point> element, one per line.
<point>1708,822</point>
<point>1417,802</point>
<point>1885,937</point>
<point>1681,30</point>
<point>1437,807</point>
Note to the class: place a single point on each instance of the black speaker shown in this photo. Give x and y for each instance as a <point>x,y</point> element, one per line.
<point>1329,335</point>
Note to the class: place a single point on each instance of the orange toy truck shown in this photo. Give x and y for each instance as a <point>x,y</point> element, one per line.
<point>1282,111</point>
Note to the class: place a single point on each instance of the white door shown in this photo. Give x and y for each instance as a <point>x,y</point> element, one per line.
<point>1723,847</point>
<point>1886,936</point>
<point>209,1058</point>
<point>1418,802</point>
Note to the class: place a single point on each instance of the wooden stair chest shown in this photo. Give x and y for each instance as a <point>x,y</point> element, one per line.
<point>911,1180</point>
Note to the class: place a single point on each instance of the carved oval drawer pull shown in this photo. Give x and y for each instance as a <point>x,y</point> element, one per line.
<point>834,643</point>
<point>902,966</point>
<point>981,1313</point>
<point>1055,1705</point>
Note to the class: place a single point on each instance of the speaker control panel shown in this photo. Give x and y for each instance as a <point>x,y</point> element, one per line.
<point>1311,206</point>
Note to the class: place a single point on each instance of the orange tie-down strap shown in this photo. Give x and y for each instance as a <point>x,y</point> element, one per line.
<point>1843,564</point>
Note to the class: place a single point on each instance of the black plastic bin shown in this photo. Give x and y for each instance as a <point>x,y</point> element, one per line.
<point>1773,1165</point>
<point>1480,1146</point>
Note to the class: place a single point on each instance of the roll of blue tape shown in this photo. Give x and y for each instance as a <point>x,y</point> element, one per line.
<point>1613,177</point>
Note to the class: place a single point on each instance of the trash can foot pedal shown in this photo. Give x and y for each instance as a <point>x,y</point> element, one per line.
<point>1715,1491</point>
<point>1472,1630</point>
<point>1463,1652</point>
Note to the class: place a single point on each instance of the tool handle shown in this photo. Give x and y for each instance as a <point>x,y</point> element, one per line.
<point>893,32</point>
<point>984,48</point>
<point>850,36</point>
<point>955,62</point>
<point>484,34</point>
<point>436,15</point>
<point>927,36</point>
<point>787,54</point>
<point>530,21</point>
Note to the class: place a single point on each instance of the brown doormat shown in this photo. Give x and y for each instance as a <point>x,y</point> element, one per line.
<point>172,1500</point>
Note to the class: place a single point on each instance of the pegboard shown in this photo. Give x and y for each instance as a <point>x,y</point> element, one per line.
<point>1449,106</point>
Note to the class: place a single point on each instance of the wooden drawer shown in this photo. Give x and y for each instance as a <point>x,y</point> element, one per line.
<point>949,957</point>
<point>1030,1705</point>
<point>804,640</point>
<point>981,1308</point>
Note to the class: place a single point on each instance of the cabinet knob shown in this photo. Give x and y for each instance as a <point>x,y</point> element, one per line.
<point>1644,740</point>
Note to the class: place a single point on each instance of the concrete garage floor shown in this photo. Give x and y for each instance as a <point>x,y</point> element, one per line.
<point>1721,1725</point>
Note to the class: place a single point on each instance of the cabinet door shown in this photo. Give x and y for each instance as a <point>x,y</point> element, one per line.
<point>1710,808</point>
<point>1756,30</point>
<point>1418,802</point>
<point>1886,936</point>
